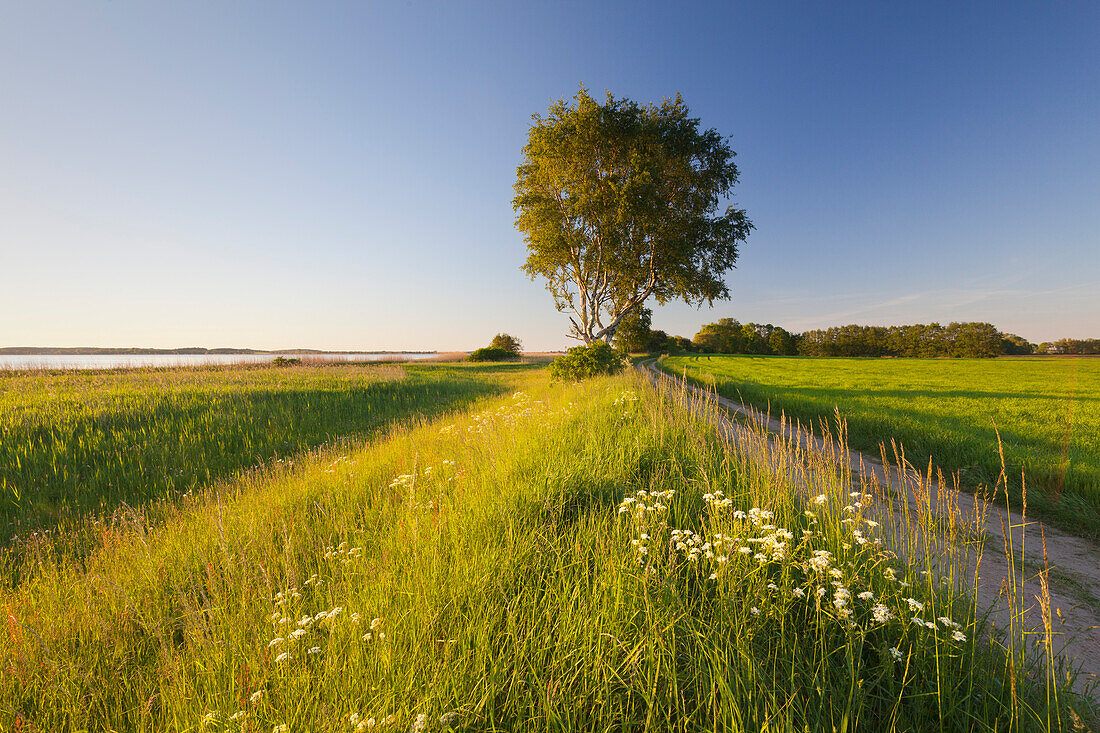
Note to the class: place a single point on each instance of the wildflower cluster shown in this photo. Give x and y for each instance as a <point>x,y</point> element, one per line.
<point>844,573</point>
<point>717,500</point>
<point>343,554</point>
<point>509,415</point>
<point>375,632</point>
<point>295,638</point>
<point>342,461</point>
<point>239,719</point>
<point>627,398</point>
<point>646,501</point>
<point>408,482</point>
<point>359,723</point>
<point>648,511</point>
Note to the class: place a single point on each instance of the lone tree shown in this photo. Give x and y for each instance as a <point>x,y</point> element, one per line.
<point>507,343</point>
<point>619,202</point>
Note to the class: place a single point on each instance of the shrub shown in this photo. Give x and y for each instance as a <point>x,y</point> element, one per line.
<point>581,362</point>
<point>491,354</point>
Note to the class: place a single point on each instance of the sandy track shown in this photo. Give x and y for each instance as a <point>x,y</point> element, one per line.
<point>1074,562</point>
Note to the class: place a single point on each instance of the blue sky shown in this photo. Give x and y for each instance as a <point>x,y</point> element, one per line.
<point>340,175</point>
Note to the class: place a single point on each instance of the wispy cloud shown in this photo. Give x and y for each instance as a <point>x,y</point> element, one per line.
<point>938,304</point>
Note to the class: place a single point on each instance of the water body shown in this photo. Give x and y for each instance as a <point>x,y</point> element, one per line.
<point>117,361</point>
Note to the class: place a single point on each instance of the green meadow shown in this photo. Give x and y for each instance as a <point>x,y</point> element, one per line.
<point>1046,411</point>
<point>74,443</point>
<point>588,556</point>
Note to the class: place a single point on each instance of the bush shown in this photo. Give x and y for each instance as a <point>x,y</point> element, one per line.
<point>491,354</point>
<point>581,362</point>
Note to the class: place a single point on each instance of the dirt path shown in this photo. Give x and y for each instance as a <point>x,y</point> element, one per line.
<point>1074,575</point>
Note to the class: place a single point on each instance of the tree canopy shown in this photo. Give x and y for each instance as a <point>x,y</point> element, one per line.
<point>506,342</point>
<point>634,330</point>
<point>619,202</point>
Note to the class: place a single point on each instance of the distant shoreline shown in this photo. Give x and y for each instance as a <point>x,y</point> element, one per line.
<point>190,350</point>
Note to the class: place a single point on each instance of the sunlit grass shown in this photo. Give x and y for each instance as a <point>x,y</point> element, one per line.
<point>487,572</point>
<point>1047,412</point>
<point>73,443</point>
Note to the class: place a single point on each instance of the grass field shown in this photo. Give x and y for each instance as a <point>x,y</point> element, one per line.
<point>565,558</point>
<point>72,443</point>
<point>1047,412</point>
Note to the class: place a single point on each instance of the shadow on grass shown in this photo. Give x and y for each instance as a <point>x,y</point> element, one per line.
<point>58,474</point>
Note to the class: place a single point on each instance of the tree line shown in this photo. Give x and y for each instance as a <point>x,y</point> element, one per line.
<point>972,339</point>
<point>1080,347</point>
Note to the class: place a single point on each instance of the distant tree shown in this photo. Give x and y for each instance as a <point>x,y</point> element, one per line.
<point>974,340</point>
<point>782,342</point>
<point>1016,345</point>
<point>960,340</point>
<point>658,342</point>
<point>728,336</point>
<point>681,343</point>
<point>1076,346</point>
<point>633,333</point>
<point>619,202</point>
<point>754,339</point>
<point>507,343</point>
<point>723,337</point>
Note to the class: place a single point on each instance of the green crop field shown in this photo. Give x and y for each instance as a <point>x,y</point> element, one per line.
<point>1047,411</point>
<point>78,442</point>
<point>568,557</point>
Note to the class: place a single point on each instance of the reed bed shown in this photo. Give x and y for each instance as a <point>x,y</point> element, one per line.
<point>571,557</point>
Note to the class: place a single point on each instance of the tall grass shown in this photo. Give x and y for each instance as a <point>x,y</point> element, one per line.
<point>568,558</point>
<point>74,443</point>
<point>1046,411</point>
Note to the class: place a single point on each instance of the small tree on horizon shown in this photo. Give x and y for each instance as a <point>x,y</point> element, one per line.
<point>507,343</point>
<point>619,202</point>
